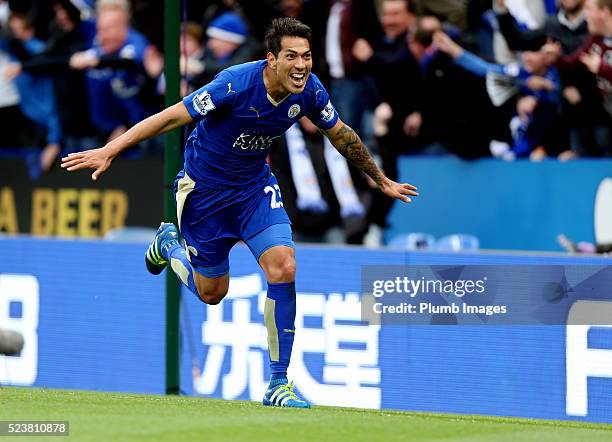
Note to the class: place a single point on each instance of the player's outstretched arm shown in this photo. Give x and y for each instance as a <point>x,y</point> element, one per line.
<point>350,146</point>
<point>100,159</point>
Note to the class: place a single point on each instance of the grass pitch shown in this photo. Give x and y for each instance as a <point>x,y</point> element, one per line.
<point>97,416</point>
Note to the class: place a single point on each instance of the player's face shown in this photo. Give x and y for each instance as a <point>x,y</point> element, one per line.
<point>293,64</point>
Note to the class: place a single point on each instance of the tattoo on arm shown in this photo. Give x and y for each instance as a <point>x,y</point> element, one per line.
<point>350,146</point>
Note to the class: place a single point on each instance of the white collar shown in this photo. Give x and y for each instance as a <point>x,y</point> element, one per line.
<point>571,24</point>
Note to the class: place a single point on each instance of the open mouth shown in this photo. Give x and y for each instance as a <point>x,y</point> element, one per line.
<point>298,79</point>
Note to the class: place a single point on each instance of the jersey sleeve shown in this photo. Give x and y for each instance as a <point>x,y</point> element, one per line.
<point>208,98</point>
<point>322,114</point>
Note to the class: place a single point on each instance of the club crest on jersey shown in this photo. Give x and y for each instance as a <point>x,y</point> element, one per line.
<point>327,114</point>
<point>203,103</point>
<point>294,110</point>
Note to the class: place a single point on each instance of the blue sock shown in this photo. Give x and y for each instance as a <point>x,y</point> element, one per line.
<point>279,317</point>
<point>178,262</point>
<point>278,379</point>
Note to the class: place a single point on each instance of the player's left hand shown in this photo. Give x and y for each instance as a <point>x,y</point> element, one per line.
<point>397,190</point>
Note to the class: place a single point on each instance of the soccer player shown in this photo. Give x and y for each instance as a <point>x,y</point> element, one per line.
<point>226,193</point>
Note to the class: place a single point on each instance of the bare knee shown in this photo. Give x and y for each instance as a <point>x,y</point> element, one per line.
<point>211,298</point>
<point>212,291</point>
<point>282,270</point>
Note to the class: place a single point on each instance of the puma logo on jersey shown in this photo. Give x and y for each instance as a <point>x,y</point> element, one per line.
<point>254,110</point>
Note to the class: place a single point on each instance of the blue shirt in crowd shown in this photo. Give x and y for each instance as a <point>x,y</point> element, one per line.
<point>115,93</point>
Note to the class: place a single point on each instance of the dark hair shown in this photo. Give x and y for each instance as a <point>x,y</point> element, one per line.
<point>73,12</point>
<point>604,4</point>
<point>25,18</point>
<point>408,5</point>
<point>285,27</point>
<point>423,37</point>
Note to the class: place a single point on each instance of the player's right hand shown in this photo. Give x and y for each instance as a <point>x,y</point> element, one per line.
<point>97,159</point>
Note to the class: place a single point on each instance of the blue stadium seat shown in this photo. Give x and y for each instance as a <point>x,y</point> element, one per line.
<point>413,241</point>
<point>457,242</point>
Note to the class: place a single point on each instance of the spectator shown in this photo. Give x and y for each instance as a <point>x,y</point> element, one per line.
<point>582,110</point>
<point>467,121</point>
<point>39,15</point>
<point>399,84</point>
<point>595,56</point>
<point>480,28</point>
<point>567,27</point>
<point>533,127</point>
<point>212,9</point>
<point>451,11</point>
<point>67,35</point>
<point>10,114</point>
<point>580,94</point>
<point>391,63</point>
<point>192,53</point>
<point>228,43</point>
<point>4,13</point>
<point>350,89</point>
<point>530,14</point>
<point>120,68</point>
<point>37,96</point>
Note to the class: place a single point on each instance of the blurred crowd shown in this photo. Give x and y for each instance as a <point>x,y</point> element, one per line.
<point>475,78</point>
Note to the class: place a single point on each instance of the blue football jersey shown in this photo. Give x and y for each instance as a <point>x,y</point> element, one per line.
<point>237,121</point>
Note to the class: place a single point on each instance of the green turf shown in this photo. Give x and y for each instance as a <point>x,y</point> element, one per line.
<point>116,417</point>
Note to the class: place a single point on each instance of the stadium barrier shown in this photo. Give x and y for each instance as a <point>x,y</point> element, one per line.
<point>92,318</point>
<point>72,205</point>
<point>519,205</point>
